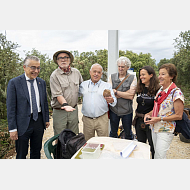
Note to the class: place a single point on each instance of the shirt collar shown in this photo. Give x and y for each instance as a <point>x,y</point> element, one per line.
<point>27,77</point>
<point>166,90</point>
<point>95,83</point>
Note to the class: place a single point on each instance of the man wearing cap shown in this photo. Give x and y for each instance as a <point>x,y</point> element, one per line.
<point>64,84</point>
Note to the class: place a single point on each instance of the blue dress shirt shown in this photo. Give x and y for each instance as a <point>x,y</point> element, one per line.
<point>94,103</point>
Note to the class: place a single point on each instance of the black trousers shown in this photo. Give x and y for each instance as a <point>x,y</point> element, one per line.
<point>34,133</point>
<point>142,136</point>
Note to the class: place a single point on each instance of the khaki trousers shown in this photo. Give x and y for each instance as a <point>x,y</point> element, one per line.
<point>65,120</point>
<point>100,125</point>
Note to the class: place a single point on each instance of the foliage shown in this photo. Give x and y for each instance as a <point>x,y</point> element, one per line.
<point>86,59</point>
<point>5,141</point>
<point>9,67</point>
<point>163,61</point>
<point>182,58</point>
<point>138,61</point>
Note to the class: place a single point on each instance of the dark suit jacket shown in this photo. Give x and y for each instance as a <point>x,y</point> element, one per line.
<point>18,104</point>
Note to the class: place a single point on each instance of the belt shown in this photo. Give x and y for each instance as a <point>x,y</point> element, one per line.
<point>63,109</point>
<point>95,117</point>
<point>31,115</point>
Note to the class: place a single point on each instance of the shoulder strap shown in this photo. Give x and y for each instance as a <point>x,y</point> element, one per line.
<point>122,82</point>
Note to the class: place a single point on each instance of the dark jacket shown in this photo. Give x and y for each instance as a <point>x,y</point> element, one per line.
<point>18,104</point>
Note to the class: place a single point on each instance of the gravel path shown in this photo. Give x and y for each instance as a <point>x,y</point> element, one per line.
<point>178,149</point>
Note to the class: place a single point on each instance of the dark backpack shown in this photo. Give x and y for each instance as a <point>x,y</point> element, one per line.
<point>183,126</point>
<point>68,144</point>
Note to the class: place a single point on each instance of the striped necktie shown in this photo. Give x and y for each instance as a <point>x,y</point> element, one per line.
<point>34,104</point>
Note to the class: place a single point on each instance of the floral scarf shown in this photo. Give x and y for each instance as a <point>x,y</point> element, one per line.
<point>160,98</point>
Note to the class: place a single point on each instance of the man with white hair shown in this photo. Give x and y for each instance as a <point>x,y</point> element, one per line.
<point>95,105</point>
<point>124,94</point>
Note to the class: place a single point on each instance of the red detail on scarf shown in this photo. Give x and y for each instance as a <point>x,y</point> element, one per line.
<point>160,98</point>
<point>66,70</point>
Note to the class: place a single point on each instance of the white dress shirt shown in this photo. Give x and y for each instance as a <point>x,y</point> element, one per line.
<point>94,104</point>
<point>36,92</point>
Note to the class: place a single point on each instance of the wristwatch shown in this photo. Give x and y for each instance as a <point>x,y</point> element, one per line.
<point>64,104</point>
<point>115,92</point>
<point>162,119</point>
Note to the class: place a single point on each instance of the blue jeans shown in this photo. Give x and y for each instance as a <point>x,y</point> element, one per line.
<point>126,122</point>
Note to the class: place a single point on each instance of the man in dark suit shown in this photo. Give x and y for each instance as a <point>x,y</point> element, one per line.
<point>27,109</point>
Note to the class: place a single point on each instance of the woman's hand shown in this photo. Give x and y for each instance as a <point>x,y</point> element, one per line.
<point>152,120</point>
<point>147,117</point>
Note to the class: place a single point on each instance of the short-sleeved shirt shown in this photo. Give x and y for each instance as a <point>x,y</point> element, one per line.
<point>145,102</point>
<point>167,109</point>
<point>66,85</point>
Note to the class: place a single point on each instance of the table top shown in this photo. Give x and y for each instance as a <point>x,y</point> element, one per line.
<point>113,146</point>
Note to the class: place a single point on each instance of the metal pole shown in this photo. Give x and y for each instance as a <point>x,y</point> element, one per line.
<point>113,51</point>
<point>113,54</point>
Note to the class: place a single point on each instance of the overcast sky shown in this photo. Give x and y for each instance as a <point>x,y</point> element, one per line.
<point>159,43</point>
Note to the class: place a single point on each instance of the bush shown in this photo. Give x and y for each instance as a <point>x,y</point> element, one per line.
<point>5,142</point>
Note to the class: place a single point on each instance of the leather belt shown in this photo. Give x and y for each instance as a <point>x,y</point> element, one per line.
<point>95,117</point>
<point>63,109</point>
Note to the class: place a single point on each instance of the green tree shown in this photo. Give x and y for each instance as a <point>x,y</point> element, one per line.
<point>102,59</point>
<point>163,61</point>
<point>138,61</point>
<point>10,67</point>
<point>182,58</point>
<point>84,62</point>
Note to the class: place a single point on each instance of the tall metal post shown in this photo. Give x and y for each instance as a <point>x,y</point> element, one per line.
<point>113,54</point>
<point>113,51</point>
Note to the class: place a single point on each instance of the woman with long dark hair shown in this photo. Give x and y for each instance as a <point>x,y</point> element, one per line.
<point>147,88</point>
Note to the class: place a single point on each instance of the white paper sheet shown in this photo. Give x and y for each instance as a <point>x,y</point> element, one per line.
<point>128,150</point>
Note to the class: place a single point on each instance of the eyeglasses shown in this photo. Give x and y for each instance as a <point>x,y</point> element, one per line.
<point>64,58</point>
<point>34,68</point>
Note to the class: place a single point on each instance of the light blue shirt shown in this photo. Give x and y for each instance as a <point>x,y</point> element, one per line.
<point>94,103</point>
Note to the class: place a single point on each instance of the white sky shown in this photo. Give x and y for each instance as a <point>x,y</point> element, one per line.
<point>144,26</point>
<point>159,43</point>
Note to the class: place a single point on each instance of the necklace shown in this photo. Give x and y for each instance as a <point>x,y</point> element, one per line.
<point>143,103</point>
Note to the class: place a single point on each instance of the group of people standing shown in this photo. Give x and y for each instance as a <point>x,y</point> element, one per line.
<point>159,104</point>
